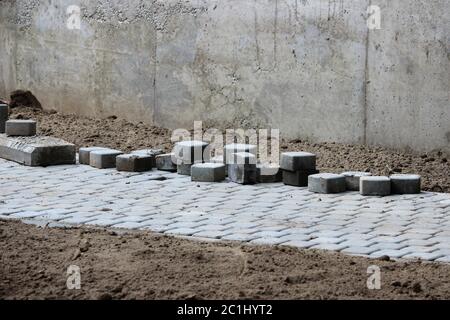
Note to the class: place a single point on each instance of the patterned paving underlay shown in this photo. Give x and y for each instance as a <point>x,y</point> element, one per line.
<point>400,226</point>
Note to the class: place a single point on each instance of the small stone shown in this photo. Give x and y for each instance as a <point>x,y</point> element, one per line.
<point>297,178</point>
<point>102,159</point>
<point>208,172</point>
<point>384,258</point>
<point>24,128</point>
<point>375,186</point>
<point>405,183</point>
<point>296,161</point>
<point>134,162</point>
<point>326,183</point>
<point>352,179</point>
<point>164,162</point>
<point>84,154</point>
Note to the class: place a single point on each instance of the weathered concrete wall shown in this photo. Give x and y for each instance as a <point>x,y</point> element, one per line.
<point>308,67</point>
<point>408,95</point>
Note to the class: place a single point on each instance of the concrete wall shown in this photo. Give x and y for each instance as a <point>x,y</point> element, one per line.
<point>308,67</point>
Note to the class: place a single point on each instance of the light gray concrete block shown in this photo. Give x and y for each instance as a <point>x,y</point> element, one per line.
<point>103,159</point>
<point>24,128</point>
<point>242,173</point>
<point>184,169</point>
<point>37,150</point>
<point>84,154</point>
<point>155,152</point>
<point>375,186</point>
<point>243,158</point>
<point>4,115</point>
<point>208,172</point>
<point>138,162</point>
<point>297,178</point>
<point>295,161</point>
<point>268,173</point>
<point>150,152</point>
<point>352,179</point>
<point>326,183</point>
<point>229,149</point>
<point>190,152</point>
<point>164,162</point>
<point>405,183</point>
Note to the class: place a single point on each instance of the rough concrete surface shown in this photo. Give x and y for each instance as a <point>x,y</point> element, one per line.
<point>37,150</point>
<point>310,68</point>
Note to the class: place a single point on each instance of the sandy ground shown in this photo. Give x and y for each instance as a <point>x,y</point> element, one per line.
<point>114,265</point>
<point>331,157</point>
<point>142,265</point>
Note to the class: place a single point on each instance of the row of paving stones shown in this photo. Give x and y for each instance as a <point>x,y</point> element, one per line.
<point>403,226</point>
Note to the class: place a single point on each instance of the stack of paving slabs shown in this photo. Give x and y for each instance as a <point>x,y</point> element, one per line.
<point>188,153</point>
<point>297,167</point>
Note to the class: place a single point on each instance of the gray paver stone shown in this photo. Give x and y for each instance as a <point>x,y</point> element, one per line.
<point>352,179</point>
<point>297,178</point>
<point>208,172</point>
<point>405,183</point>
<point>4,115</point>
<point>295,161</point>
<point>135,162</point>
<point>375,186</point>
<point>84,154</point>
<point>326,183</point>
<point>20,127</point>
<point>164,162</point>
<point>103,159</point>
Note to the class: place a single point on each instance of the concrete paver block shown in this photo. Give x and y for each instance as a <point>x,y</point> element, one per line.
<point>405,183</point>
<point>297,178</point>
<point>190,152</point>
<point>184,169</point>
<point>229,149</point>
<point>138,162</point>
<point>164,162</point>
<point>326,183</point>
<point>150,152</point>
<point>4,115</point>
<point>24,128</point>
<point>103,159</point>
<point>295,161</point>
<point>352,179</point>
<point>208,172</point>
<point>84,154</point>
<point>243,168</point>
<point>268,173</point>
<point>37,150</point>
<point>375,186</point>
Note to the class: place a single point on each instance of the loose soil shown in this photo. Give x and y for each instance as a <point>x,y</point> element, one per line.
<point>331,157</point>
<point>141,265</point>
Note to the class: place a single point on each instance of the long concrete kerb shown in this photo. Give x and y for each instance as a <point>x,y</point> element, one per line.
<point>37,150</point>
